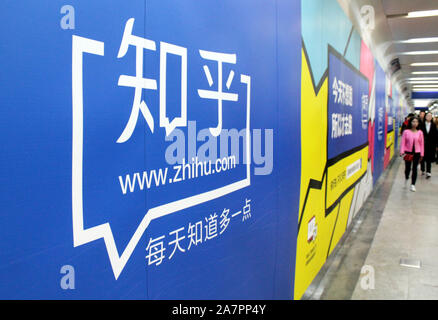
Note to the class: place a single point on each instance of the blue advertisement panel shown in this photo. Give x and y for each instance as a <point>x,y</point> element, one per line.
<point>347,106</point>
<point>379,128</point>
<point>143,151</point>
<point>391,114</point>
<point>398,116</point>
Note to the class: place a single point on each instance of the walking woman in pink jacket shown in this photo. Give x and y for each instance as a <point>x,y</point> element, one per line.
<point>412,148</point>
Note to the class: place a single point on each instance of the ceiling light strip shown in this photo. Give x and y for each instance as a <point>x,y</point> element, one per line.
<point>424,64</point>
<point>422,14</point>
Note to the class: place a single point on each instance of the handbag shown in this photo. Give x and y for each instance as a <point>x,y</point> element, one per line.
<point>408,157</point>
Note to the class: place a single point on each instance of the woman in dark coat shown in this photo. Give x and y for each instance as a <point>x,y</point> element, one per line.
<point>436,124</point>
<point>430,134</point>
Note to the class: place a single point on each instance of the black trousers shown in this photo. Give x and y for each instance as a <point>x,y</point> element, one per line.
<point>414,165</point>
<point>426,164</point>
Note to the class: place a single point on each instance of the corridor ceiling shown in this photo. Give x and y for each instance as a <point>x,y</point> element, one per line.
<point>403,28</point>
<point>394,34</point>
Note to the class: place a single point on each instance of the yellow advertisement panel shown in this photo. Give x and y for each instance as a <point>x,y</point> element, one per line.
<point>343,174</point>
<point>327,187</point>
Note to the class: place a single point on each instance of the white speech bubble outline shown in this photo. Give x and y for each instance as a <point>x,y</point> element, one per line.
<point>82,236</point>
<point>181,121</point>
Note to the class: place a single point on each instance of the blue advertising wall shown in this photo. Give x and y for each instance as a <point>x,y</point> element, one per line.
<point>398,114</point>
<point>347,106</point>
<point>379,127</point>
<point>90,115</point>
<point>391,114</point>
<point>345,142</point>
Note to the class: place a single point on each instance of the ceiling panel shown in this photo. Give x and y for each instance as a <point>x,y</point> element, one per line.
<point>403,29</point>
<point>404,59</point>
<point>406,47</point>
<point>391,7</point>
<point>408,69</point>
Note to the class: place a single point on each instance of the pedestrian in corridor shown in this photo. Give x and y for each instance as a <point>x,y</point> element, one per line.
<point>406,122</point>
<point>430,142</point>
<point>436,126</point>
<point>422,118</point>
<point>412,149</point>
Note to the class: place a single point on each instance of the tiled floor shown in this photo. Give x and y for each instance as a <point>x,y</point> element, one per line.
<point>395,223</point>
<point>408,229</point>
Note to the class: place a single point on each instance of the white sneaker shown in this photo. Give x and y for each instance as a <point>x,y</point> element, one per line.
<point>428,175</point>
<point>413,188</point>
